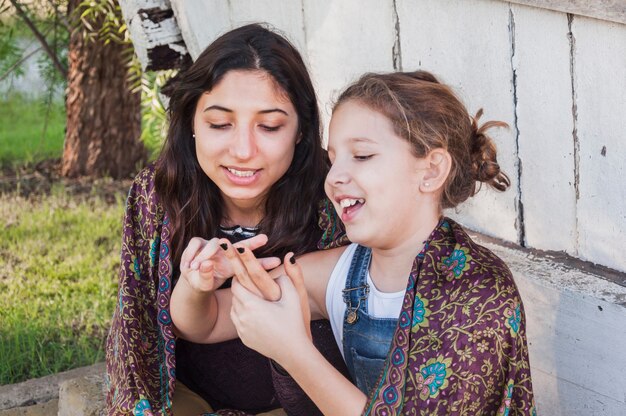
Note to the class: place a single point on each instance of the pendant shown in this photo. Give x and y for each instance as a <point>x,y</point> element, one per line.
<point>352,317</point>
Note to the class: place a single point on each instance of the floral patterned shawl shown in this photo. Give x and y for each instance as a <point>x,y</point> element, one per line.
<point>140,347</point>
<point>460,345</point>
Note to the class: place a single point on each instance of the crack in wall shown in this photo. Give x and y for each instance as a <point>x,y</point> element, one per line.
<point>231,20</point>
<point>572,70</point>
<point>396,51</point>
<point>305,36</point>
<point>520,226</point>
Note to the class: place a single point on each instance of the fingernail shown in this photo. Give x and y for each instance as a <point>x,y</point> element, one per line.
<point>292,259</point>
<point>224,246</point>
<point>241,250</point>
<point>194,265</point>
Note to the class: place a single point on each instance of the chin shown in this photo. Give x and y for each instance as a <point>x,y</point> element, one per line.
<point>359,238</point>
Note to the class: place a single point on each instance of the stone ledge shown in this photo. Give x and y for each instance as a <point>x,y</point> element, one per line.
<point>44,389</point>
<point>82,396</point>
<point>49,408</point>
<point>576,329</point>
<point>559,271</point>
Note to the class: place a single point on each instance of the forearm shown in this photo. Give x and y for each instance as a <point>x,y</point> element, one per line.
<point>194,313</point>
<point>333,394</point>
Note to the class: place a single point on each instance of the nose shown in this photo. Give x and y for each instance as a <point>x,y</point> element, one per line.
<point>244,146</point>
<point>337,175</point>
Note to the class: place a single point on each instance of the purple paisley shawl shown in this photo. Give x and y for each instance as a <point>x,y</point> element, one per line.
<point>460,344</point>
<point>140,347</point>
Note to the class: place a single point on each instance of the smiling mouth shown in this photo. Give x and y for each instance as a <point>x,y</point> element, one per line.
<point>350,202</point>
<point>242,173</point>
<point>349,207</point>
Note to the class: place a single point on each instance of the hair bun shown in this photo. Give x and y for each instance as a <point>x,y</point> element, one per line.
<point>485,167</point>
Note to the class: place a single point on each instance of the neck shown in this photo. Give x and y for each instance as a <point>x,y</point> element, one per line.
<point>391,266</point>
<point>245,213</point>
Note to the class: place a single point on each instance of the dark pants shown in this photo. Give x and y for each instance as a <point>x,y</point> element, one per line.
<point>230,375</point>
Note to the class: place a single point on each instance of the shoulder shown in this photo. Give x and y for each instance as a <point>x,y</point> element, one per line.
<point>143,184</point>
<point>472,274</point>
<point>142,205</point>
<point>466,257</point>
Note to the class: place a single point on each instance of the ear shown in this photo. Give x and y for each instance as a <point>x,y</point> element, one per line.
<point>436,166</point>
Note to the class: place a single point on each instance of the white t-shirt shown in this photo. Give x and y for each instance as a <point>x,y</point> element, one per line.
<point>379,304</point>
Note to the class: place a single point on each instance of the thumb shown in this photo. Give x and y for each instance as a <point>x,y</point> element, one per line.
<point>295,275</point>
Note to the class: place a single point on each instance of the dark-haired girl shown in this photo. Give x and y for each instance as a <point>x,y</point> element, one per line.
<point>243,156</point>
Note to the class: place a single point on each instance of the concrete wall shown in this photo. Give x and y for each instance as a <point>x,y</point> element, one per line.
<point>559,81</point>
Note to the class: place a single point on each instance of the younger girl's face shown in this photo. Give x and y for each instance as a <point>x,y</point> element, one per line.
<point>374,179</point>
<point>245,130</point>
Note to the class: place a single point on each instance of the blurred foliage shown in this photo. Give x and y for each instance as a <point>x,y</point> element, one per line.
<point>98,20</point>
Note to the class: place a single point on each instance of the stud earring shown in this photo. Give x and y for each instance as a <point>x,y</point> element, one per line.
<point>193,135</point>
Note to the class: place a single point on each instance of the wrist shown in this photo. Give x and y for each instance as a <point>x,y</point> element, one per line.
<point>192,289</point>
<point>296,355</point>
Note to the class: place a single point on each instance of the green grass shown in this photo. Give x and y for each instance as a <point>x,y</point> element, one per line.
<point>59,257</point>
<point>24,139</point>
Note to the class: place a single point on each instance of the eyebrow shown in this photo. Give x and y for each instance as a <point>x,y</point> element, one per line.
<point>362,140</point>
<point>228,110</point>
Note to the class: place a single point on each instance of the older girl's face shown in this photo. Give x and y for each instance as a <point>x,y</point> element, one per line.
<point>245,134</point>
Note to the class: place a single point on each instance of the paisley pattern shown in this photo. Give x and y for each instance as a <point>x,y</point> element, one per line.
<point>140,350</point>
<point>472,357</point>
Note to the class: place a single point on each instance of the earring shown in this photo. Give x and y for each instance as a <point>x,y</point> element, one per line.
<point>193,135</point>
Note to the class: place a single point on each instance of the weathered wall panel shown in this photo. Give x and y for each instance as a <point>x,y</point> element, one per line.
<point>545,123</point>
<point>201,21</point>
<point>286,15</point>
<point>600,88</point>
<point>468,45</point>
<point>612,10</point>
<point>342,43</point>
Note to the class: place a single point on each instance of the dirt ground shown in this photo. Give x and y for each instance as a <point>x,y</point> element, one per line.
<point>40,179</point>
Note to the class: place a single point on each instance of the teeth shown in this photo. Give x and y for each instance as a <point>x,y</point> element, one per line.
<point>348,202</point>
<point>241,173</point>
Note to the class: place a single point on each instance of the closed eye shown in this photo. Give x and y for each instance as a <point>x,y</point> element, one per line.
<point>270,128</point>
<point>219,126</point>
<point>363,157</point>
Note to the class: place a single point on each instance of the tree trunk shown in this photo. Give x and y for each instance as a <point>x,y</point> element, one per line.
<point>103,116</point>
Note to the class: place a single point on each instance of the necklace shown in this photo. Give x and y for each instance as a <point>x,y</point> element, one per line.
<point>239,231</point>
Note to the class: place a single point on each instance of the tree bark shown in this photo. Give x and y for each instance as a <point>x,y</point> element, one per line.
<point>103,116</point>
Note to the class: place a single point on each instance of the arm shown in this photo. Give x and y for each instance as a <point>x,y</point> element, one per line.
<point>131,369</point>
<point>275,329</point>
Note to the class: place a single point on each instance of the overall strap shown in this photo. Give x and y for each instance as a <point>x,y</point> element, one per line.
<point>357,290</point>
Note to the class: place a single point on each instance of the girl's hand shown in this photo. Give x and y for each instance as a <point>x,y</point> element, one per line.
<point>205,267</point>
<point>250,273</point>
<point>274,329</point>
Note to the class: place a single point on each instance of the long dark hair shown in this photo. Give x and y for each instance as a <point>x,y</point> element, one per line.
<point>192,201</point>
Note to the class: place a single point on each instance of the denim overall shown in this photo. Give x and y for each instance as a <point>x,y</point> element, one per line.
<point>366,339</point>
